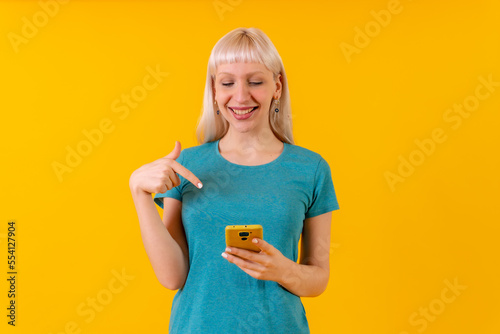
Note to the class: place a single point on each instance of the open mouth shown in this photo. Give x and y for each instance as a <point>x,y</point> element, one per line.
<point>243,112</point>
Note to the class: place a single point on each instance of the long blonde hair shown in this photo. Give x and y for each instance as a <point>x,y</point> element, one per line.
<point>244,45</point>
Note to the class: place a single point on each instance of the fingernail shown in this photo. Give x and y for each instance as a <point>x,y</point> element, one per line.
<point>254,241</point>
<point>200,185</point>
<point>228,250</point>
<point>224,255</point>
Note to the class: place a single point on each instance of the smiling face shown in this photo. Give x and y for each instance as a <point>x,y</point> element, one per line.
<point>244,93</point>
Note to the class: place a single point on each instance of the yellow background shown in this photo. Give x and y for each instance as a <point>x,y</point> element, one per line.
<point>393,248</point>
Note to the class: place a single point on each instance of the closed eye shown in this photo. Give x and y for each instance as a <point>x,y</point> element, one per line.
<point>227,84</point>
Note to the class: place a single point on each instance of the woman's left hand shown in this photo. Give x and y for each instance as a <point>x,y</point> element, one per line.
<point>269,264</point>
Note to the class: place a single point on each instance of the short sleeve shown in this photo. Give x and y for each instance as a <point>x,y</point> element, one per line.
<point>174,192</point>
<point>324,198</point>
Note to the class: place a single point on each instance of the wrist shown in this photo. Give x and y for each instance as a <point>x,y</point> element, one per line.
<point>137,192</point>
<point>289,274</point>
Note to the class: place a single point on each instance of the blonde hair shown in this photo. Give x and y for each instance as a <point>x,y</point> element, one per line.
<point>244,45</point>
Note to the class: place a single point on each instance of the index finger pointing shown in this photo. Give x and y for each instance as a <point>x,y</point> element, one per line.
<point>187,174</point>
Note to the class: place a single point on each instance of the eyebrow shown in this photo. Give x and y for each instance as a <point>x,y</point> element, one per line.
<point>248,73</point>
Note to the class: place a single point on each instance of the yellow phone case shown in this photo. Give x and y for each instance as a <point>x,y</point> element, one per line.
<point>241,236</point>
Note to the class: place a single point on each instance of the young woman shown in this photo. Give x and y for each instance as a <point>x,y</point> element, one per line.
<point>246,170</point>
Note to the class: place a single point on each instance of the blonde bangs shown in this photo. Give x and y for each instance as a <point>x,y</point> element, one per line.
<point>242,48</point>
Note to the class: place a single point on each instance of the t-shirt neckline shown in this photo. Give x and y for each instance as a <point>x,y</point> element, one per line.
<point>278,159</point>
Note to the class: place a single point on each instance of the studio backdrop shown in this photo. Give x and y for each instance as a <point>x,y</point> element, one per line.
<point>401,98</point>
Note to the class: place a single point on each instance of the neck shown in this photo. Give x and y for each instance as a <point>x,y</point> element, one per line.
<point>238,141</point>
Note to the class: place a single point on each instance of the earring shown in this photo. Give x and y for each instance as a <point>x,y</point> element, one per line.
<point>215,102</point>
<point>277,102</point>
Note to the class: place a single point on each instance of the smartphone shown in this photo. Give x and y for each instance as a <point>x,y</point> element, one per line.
<point>241,236</point>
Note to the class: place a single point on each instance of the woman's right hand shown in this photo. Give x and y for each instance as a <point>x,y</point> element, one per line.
<point>161,175</point>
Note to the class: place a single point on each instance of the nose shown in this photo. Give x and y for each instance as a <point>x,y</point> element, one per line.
<point>241,93</point>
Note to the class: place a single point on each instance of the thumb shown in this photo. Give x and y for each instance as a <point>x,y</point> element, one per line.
<point>175,152</point>
<point>263,245</point>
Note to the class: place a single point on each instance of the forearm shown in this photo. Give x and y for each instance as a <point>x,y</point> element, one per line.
<point>166,256</point>
<point>304,280</point>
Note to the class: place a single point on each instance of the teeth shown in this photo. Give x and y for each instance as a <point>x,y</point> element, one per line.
<point>242,112</point>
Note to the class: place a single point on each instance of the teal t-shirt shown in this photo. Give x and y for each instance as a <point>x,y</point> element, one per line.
<point>219,297</point>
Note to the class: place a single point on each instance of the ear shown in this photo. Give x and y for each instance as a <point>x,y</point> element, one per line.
<point>279,85</point>
<point>213,87</point>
